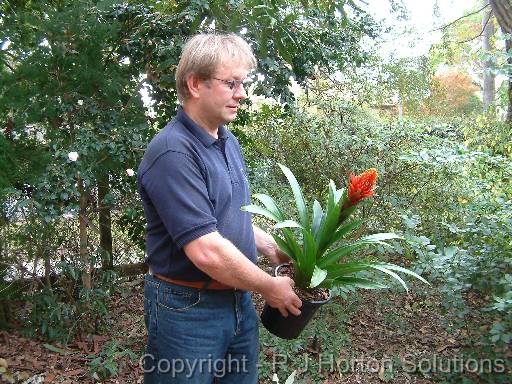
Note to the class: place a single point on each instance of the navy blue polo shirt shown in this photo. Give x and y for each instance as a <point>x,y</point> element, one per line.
<point>192,184</point>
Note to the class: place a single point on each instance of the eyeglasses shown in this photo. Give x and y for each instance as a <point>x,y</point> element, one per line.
<point>232,84</point>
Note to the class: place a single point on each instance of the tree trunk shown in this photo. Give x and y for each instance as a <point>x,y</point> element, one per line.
<point>489,78</point>
<point>502,9</point>
<point>83,235</point>
<point>9,128</point>
<point>400,108</point>
<point>47,268</point>
<point>508,47</point>
<point>5,313</point>
<point>4,246</point>
<point>105,222</point>
<point>4,254</point>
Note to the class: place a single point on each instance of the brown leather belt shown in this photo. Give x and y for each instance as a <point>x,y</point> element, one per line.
<point>213,284</point>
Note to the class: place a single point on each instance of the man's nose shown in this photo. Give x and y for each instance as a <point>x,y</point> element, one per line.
<point>240,92</point>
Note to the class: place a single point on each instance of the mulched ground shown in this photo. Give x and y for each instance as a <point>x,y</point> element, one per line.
<point>407,328</point>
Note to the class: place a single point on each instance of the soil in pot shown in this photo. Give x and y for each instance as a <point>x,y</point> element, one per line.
<point>291,327</point>
<point>316,294</point>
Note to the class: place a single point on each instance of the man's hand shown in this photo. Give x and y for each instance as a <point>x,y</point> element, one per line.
<point>276,256</point>
<point>268,247</point>
<point>280,295</point>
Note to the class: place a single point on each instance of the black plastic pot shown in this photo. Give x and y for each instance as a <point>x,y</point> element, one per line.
<point>292,326</point>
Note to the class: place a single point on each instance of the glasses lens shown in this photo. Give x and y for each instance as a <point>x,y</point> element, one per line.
<point>232,84</point>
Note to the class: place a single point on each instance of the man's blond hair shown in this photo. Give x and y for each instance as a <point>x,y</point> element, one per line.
<point>204,53</point>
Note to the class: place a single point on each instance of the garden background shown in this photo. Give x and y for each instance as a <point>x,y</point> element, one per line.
<point>84,85</point>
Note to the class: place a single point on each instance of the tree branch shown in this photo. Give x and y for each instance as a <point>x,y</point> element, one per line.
<point>460,18</point>
<point>5,61</point>
<point>8,65</point>
<point>481,32</point>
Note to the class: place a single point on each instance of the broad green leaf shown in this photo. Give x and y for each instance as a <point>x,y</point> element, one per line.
<point>293,245</point>
<point>336,254</point>
<point>297,193</point>
<point>330,222</point>
<point>375,239</point>
<point>319,275</point>
<point>358,282</point>
<point>256,209</point>
<point>394,267</point>
<point>338,193</point>
<point>344,269</point>
<point>392,274</point>
<point>270,204</point>
<point>381,237</point>
<point>283,246</point>
<point>327,283</point>
<point>318,215</point>
<point>309,254</point>
<point>344,229</point>
<point>287,224</point>
<point>332,190</point>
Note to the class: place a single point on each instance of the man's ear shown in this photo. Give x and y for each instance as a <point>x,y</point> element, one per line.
<point>193,84</point>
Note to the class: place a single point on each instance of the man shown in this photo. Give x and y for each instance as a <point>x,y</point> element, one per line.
<point>201,248</point>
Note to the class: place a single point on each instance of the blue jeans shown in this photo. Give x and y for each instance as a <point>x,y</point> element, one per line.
<point>199,336</point>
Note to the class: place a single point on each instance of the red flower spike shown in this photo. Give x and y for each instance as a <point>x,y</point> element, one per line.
<point>362,186</point>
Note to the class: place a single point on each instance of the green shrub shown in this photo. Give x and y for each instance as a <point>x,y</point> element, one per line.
<point>68,309</point>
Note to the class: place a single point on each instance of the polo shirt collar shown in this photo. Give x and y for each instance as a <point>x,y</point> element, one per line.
<point>199,132</point>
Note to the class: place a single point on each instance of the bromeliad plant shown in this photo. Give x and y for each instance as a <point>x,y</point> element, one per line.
<point>319,252</point>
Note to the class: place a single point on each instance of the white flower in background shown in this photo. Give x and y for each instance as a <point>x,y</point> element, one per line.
<point>80,102</point>
<point>68,215</point>
<point>129,172</point>
<point>39,136</point>
<point>73,156</point>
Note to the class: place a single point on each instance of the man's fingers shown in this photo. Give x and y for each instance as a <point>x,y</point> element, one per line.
<point>283,311</point>
<point>296,303</point>
<point>294,310</point>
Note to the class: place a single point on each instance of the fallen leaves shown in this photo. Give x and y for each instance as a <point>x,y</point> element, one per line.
<point>49,378</point>
<point>32,361</point>
<point>92,345</point>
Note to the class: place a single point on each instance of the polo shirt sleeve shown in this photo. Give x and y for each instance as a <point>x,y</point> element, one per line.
<point>177,190</point>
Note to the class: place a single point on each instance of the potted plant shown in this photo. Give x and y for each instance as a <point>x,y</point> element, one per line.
<point>318,250</point>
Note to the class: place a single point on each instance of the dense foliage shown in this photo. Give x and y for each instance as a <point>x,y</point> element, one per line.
<point>449,200</point>
<point>74,123</point>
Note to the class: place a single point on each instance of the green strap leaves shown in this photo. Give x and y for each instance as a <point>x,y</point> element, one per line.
<point>315,265</point>
<point>256,209</point>
<point>297,193</point>
<point>271,205</point>
<point>318,277</point>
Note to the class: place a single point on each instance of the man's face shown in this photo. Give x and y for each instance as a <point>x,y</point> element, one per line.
<point>219,103</point>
